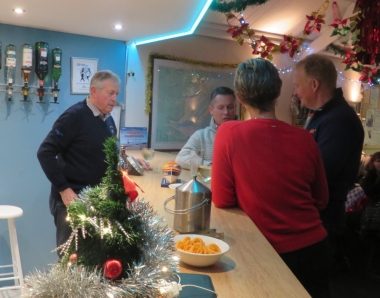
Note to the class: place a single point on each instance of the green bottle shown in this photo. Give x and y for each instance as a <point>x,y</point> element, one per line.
<point>56,69</point>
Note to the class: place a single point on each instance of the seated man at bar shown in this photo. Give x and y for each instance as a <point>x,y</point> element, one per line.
<point>274,172</point>
<point>222,108</point>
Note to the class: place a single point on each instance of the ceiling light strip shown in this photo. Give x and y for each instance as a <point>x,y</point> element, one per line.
<point>204,10</point>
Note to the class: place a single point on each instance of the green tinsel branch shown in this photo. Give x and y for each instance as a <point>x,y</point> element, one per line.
<point>236,5</point>
<point>149,73</point>
<point>336,49</point>
<point>113,181</point>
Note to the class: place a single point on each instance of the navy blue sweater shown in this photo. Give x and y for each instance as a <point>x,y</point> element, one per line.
<point>72,153</point>
<point>339,135</point>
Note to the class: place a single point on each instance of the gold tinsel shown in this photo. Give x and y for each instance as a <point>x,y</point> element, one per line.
<point>149,73</point>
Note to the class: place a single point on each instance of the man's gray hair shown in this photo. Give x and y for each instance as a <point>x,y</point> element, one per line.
<point>321,68</point>
<point>100,77</point>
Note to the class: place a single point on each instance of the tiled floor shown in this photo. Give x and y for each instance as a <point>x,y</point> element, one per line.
<point>10,294</point>
<point>361,279</point>
<point>355,285</point>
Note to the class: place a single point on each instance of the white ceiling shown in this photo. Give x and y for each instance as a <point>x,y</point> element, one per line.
<point>151,18</point>
<point>273,19</point>
<point>141,18</point>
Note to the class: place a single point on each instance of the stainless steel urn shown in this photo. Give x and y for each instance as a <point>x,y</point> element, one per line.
<point>192,207</point>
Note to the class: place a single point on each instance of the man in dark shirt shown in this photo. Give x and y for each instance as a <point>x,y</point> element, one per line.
<point>337,130</point>
<point>72,154</point>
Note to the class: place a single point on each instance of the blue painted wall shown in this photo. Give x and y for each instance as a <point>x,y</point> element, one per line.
<point>23,126</point>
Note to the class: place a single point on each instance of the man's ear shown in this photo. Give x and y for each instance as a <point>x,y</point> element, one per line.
<point>315,84</point>
<point>210,109</point>
<point>92,90</point>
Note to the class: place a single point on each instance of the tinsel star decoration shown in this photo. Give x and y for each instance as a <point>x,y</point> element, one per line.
<point>367,74</point>
<point>118,245</point>
<point>350,59</point>
<point>263,47</point>
<point>339,24</point>
<point>316,19</point>
<point>290,45</point>
<point>239,29</point>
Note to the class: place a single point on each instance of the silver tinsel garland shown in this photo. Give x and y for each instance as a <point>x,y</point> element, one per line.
<point>156,268</point>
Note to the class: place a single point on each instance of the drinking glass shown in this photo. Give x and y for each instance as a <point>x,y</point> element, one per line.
<point>196,159</point>
<point>147,154</point>
<point>204,172</point>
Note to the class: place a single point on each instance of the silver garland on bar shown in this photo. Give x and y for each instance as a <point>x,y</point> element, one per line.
<point>146,276</point>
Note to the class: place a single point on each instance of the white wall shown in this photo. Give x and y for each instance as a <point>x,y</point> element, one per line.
<point>196,48</point>
<point>218,51</point>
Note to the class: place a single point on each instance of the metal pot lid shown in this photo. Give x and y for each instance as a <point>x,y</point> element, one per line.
<point>193,186</point>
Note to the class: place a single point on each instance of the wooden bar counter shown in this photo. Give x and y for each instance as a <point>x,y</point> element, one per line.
<point>251,268</point>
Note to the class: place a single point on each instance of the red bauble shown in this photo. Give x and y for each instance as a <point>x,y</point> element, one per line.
<point>73,258</point>
<point>112,268</point>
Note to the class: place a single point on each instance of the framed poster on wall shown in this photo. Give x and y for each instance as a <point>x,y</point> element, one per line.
<point>82,70</point>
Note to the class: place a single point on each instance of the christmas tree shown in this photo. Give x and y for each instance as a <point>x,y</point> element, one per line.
<point>118,247</point>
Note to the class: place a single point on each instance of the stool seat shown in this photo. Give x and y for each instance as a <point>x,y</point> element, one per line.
<point>14,270</point>
<point>7,211</point>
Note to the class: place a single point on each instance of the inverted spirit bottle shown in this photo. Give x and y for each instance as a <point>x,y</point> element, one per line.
<point>41,69</point>
<point>10,68</point>
<point>57,70</point>
<point>27,58</point>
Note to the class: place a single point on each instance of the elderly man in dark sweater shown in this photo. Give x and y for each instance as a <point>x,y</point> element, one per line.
<point>72,154</point>
<point>337,130</point>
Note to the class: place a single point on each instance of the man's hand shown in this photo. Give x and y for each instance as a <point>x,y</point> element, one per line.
<point>67,196</point>
<point>144,164</point>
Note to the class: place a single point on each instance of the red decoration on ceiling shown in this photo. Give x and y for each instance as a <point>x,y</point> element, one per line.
<point>367,74</point>
<point>367,45</point>
<point>290,45</point>
<point>313,23</point>
<point>263,47</point>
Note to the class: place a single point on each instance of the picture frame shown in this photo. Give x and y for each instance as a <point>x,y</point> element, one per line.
<point>82,70</point>
<point>180,98</point>
<point>370,116</point>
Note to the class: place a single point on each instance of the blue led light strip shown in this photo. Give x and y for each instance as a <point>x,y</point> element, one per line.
<point>144,41</point>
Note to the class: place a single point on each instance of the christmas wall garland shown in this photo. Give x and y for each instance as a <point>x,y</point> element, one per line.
<point>362,55</point>
<point>236,5</point>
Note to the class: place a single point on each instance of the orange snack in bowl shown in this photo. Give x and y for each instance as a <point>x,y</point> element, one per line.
<point>197,245</point>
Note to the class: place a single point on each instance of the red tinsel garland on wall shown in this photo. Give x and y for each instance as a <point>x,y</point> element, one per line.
<point>367,45</point>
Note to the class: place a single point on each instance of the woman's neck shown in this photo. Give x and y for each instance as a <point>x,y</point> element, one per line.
<point>256,114</point>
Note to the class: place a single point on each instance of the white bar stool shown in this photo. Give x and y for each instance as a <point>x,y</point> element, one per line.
<point>10,213</point>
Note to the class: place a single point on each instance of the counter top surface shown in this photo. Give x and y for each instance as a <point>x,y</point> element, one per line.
<point>251,268</point>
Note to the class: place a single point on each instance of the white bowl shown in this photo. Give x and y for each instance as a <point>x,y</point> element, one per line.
<point>175,185</point>
<point>201,260</point>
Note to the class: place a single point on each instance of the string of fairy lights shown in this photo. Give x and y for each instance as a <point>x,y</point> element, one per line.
<point>285,70</point>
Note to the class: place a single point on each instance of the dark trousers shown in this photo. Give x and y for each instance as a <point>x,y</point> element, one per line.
<point>64,230</point>
<point>311,265</point>
<point>59,212</point>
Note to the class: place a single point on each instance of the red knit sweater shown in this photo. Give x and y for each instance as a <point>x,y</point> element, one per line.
<point>274,172</point>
